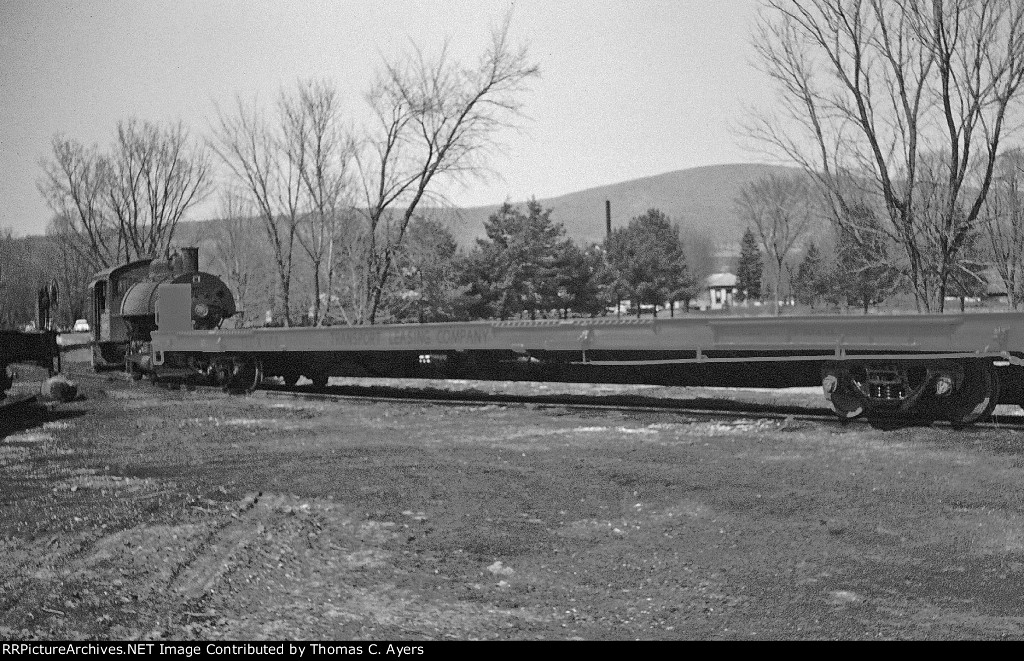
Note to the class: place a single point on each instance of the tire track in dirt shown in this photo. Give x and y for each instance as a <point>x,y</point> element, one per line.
<point>217,554</point>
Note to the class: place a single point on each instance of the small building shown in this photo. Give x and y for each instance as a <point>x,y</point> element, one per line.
<point>719,292</point>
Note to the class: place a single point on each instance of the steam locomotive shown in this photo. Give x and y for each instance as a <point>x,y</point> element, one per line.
<point>124,300</point>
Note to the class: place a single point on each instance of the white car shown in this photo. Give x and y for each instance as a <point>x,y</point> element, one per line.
<point>81,326</point>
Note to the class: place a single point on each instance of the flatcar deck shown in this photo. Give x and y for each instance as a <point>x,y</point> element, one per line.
<point>706,338</point>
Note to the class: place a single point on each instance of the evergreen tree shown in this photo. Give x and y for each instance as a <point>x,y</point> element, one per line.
<point>515,269</point>
<point>811,278</point>
<point>577,279</point>
<point>479,290</point>
<point>750,268</point>
<point>864,273</point>
<point>648,260</point>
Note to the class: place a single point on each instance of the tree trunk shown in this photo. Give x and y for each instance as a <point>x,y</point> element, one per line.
<point>316,293</point>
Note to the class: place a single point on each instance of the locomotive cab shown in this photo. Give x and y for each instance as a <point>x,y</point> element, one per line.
<point>109,330</point>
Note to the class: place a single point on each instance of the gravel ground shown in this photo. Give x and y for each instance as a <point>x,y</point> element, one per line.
<point>140,512</point>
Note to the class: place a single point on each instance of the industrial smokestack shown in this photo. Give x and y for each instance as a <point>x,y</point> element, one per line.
<point>608,217</point>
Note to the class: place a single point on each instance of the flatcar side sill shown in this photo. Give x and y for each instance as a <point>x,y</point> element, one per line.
<point>1009,360</point>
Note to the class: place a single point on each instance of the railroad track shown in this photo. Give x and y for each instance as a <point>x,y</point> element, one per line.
<point>699,409</point>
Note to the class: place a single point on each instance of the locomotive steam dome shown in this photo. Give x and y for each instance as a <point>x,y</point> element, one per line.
<point>212,301</point>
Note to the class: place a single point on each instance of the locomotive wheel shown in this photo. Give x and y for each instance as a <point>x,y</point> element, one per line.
<point>132,369</point>
<point>222,373</point>
<point>976,397</point>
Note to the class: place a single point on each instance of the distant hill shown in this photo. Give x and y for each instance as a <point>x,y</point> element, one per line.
<point>699,199</point>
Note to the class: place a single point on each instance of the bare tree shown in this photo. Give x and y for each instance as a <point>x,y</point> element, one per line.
<point>126,204</point>
<point>869,88</point>
<point>156,175</point>
<point>237,251</point>
<point>266,165</point>
<point>75,184</point>
<point>781,211</point>
<point>22,271</point>
<point>312,118</point>
<point>1004,223</point>
<point>350,282</point>
<point>435,119</point>
<point>700,252</point>
<point>7,272</point>
<point>72,268</point>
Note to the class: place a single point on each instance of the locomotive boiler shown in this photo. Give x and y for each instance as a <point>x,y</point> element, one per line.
<point>212,301</point>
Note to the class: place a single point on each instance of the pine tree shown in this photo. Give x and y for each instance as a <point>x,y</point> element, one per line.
<point>864,274</point>
<point>811,278</point>
<point>516,268</point>
<point>577,278</point>
<point>750,268</point>
<point>648,260</point>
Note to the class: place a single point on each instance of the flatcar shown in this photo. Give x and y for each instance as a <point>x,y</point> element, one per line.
<point>953,367</point>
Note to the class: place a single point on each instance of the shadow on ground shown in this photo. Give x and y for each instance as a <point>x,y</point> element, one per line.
<point>24,413</point>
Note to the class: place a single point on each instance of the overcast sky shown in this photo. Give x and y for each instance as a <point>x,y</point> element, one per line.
<point>628,89</point>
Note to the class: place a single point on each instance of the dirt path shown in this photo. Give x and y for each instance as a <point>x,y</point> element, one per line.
<point>146,513</point>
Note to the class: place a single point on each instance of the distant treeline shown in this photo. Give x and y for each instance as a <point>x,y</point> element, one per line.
<point>525,268</point>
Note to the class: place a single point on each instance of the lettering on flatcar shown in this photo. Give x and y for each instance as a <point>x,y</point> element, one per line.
<point>479,335</point>
<point>409,337</point>
<point>357,338</point>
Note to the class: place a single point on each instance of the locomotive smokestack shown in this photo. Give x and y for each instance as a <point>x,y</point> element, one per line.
<point>190,260</point>
<point>608,217</point>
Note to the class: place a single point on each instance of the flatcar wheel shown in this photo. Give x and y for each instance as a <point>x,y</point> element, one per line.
<point>838,390</point>
<point>846,406</point>
<point>888,419</point>
<point>290,379</point>
<point>976,398</point>
<point>319,381</point>
<point>255,369</point>
<point>246,375</point>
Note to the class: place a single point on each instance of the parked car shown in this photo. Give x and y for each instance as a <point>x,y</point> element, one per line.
<point>81,326</point>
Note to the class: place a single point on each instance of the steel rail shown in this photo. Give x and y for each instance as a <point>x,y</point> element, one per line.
<point>731,409</point>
